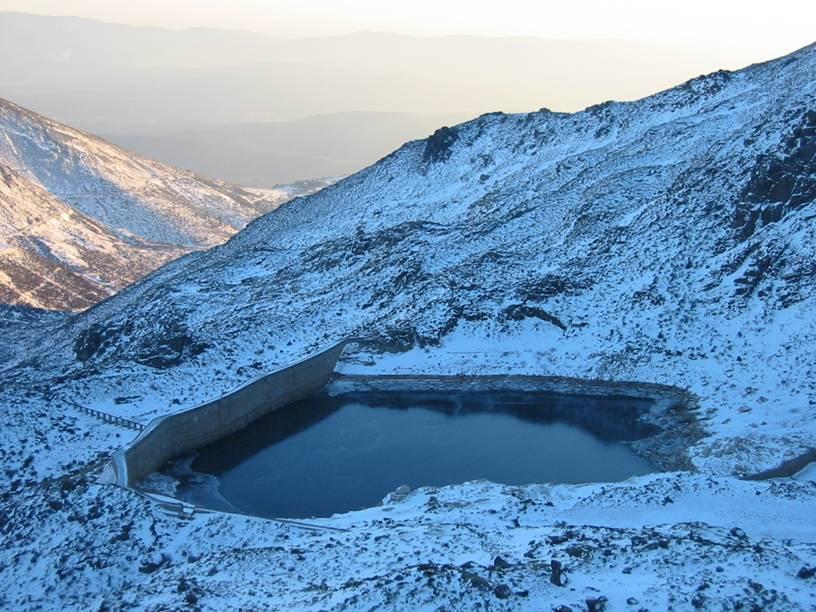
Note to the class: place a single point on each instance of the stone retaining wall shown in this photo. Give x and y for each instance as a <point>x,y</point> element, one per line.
<point>176,434</point>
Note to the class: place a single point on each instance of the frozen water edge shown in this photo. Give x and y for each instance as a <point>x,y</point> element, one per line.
<point>662,416</point>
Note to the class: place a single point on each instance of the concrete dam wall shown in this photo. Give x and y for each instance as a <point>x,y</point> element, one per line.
<point>176,434</point>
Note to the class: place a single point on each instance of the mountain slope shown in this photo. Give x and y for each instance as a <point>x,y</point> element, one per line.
<point>82,218</point>
<point>53,256</point>
<point>669,240</point>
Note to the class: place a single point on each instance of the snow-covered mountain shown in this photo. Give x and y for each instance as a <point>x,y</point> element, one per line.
<point>81,218</point>
<point>668,233</point>
<point>669,240</point>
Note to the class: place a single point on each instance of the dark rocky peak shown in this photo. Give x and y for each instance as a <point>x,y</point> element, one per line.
<point>438,146</point>
<point>781,181</point>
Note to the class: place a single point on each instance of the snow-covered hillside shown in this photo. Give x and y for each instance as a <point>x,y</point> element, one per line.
<point>669,240</point>
<point>81,219</point>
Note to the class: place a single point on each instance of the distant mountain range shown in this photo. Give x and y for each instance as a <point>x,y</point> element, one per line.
<point>149,76</point>
<point>203,99</point>
<point>80,218</point>
<point>267,153</point>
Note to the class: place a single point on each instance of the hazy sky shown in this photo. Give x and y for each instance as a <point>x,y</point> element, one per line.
<point>768,27</point>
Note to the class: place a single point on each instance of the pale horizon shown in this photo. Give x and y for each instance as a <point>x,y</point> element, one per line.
<point>695,23</point>
<point>350,100</point>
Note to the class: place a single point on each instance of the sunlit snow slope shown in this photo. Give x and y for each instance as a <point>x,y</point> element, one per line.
<point>81,218</point>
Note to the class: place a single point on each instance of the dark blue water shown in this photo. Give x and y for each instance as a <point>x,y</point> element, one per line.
<point>334,454</point>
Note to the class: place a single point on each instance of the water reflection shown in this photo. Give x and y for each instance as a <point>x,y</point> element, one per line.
<point>330,454</point>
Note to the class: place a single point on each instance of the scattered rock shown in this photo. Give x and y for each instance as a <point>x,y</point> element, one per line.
<point>499,563</point>
<point>557,575</point>
<point>564,537</point>
<point>596,604</point>
<point>519,312</point>
<point>738,533</point>
<point>475,579</point>
<point>806,572</point>
<point>578,551</point>
<point>502,591</point>
<point>148,567</point>
<point>399,494</point>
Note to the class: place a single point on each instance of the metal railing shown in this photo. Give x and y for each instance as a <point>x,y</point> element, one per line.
<point>108,418</point>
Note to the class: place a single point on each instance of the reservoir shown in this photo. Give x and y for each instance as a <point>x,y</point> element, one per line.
<point>334,453</point>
